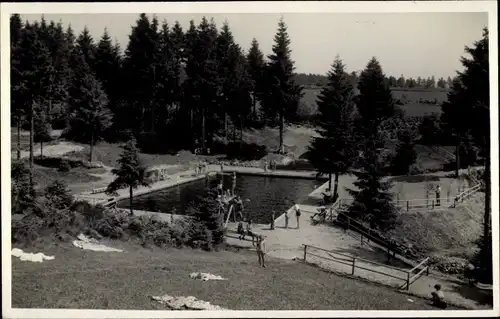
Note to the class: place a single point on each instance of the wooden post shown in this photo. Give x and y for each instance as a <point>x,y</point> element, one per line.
<point>353,265</point>
<point>305,252</point>
<point>427,271</point>
<point>432,204</point>
<point>407,205</point>
<point>408,281</point>
<point>361,239</point>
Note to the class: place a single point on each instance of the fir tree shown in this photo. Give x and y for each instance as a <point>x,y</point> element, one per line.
<point>35,66</point>
<point>375,102</point>
<point>333,152</point>
<point>139,65</point>
<point>17,105</point>
<point>226,69</point>
<point>372,199</point>
<point>108,73</point>
<point>282,97</point>
<point>91,116</point>
<point>256,65</point>
<point>467,110</point>
<point>401,81</point>
<point>42,128</point>
<point>130,172</point>
<point>208,223</point>
<point>405,155</point>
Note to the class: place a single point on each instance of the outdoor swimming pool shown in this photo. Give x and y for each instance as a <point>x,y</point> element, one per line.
<point>264,193</point>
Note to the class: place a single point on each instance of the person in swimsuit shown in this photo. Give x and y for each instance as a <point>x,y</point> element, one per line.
<point>297,215</point>
<point>234,183</point>
<point>261,250</point>
<point>321,213</point>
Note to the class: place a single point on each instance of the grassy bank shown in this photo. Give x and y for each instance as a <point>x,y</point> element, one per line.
<point>91,280</point>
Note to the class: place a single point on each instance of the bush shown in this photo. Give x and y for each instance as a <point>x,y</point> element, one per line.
<point>64,166</point>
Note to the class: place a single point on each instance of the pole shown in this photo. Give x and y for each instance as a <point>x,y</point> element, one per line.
<point>305,252</point>
<point>353,265</point>
<point>408,281</point>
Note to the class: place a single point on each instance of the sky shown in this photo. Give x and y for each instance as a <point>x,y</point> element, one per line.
<point>412,44</point>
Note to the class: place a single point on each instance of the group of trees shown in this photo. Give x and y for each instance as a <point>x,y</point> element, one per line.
<point>355,130</point>
<point>197,83</point>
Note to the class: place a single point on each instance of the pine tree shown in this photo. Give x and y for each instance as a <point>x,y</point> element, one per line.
<point>282,97</point>
<point>467,110</point>
<point>177,38</point>
<point>372,199</point>
<point>202,86</point>
<point>42,128</point>
<point>256,65</point>
<point>375,102</point>
<point>167,78</point>
<point>90,117</point>
<point>139,70</point>
<point>208,224</point>
<point>239,95</point>
<point>441,83</point>
<point>17,105</point>
<point>130,172</point>
<point>190,96</point>
<point>405,155</point>
<point>85,48</point>
<point>34,67</point>
<point>108,73</point>
<point>401,82</point>
<point>333,152</point>
<point>226,69</point>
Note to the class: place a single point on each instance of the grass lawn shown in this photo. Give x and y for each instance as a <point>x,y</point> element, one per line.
<point>44,176</point>
<point>95,280</point>
<point>414,108</point>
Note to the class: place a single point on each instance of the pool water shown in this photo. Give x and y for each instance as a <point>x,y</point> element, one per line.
<point>264,194</point>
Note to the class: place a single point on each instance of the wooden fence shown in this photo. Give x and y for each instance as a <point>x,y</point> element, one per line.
<point>397,273</point>
<point>466,194</point>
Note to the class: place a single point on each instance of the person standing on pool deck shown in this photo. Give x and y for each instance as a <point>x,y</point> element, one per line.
<point>297,214</point>
<point>286,219</point>
<point>272,220</point>
<point>438,195</point>
<point>261,250</point>
<point>234,183</point>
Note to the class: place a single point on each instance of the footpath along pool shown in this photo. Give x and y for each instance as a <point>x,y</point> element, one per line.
<point>264,194</point>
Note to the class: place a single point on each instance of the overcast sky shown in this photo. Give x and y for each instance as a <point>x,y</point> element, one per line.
<point>412,44</point>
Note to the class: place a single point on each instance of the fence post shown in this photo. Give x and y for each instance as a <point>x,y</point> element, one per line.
<point>361,235</point>
<point>427,271</point>
<point>432,204</point>
<point>408,280</point>
<point>305,252</point>
<point>407,206</point>
<point>353,265</point>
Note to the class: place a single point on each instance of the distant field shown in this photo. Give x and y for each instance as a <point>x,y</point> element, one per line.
<point>414,108</point>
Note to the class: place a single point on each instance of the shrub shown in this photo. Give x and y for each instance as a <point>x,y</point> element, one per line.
<point>64,166</point>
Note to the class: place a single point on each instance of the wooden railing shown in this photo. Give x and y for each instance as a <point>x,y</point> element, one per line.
<point>403,275</point>
<point>371,236</point>
<point>466,194</point>
<point>410,204</point>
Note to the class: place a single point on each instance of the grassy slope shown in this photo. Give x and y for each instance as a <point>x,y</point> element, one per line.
<point>92,280</point>
<point>452,232</point>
